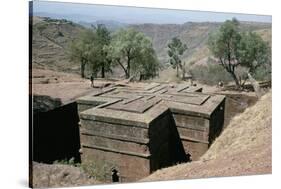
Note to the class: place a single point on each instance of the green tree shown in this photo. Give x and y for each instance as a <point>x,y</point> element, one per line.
<point>132,51</point>
<point>253,52</point>
<point>233,48</point>
<point>41,27</point>
<point>83,49</point>
<point>176,50</point>
<point>224,46</point>
<point>103,39</point>
<point>89,49</point>
<point>146,66</point>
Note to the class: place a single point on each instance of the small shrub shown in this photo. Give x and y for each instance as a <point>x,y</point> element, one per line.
<point>65,161</point>
<point>262,74</point>
<point>191,63</point>
<point>41,27</point>
<point>99,170</point>
<point>60,34</point>
<point>210,74</point>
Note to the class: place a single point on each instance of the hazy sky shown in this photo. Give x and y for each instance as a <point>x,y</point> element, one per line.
<point>89,12</point>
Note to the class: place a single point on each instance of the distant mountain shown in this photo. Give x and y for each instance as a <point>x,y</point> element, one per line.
<point>72,17</point>
<point>111,25</point>
<point>84,20</point>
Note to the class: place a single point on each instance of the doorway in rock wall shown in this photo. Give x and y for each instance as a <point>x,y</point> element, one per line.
<point>115,175</point>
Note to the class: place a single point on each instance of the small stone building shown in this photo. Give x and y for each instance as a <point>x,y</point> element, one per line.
<point>137,130</point>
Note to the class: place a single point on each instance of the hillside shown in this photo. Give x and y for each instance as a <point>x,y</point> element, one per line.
<point>243,148</point>
<point>265,34</point>
<point>50,39</point>
<point>111,25</point>
<point>195,35</point>
<point>52,36</point>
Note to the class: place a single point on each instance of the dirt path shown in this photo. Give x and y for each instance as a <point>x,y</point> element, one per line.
<point>65,86</point>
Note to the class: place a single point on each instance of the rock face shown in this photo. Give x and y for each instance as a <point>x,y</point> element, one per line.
<point>43,103</point>
<point>57,175</point>
<point>136,131</point>
<point>243,148</point>
<point>55,134</point>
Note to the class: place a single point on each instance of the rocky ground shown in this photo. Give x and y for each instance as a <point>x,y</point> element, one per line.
<point>58,175</point>
<point>63,86</point>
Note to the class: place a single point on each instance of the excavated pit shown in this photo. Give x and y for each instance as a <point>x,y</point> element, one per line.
<point>139,130</point>
<point>132,130</point>
<point>55,130</point>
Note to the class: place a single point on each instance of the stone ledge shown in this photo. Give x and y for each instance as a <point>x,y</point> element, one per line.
<point>115,116</point>
<point>193,139</point>
<point>195,128</point>
<point>116,137</point>
<point>115,129</point>
<point>117,151</point>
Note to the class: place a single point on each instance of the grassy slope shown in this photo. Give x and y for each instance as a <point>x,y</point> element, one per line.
<point>195,35</point>
<point>244,148</point>
<point>265,34</point>
<point>49,47</point>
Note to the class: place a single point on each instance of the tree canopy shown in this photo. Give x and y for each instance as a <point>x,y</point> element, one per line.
<point>83,49</point>
<point>234,48</point>
<point>253,52</point>
<point>88,48</point>
<point>176,50</point>
<point>103,39</point>
<point>133,51</point>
